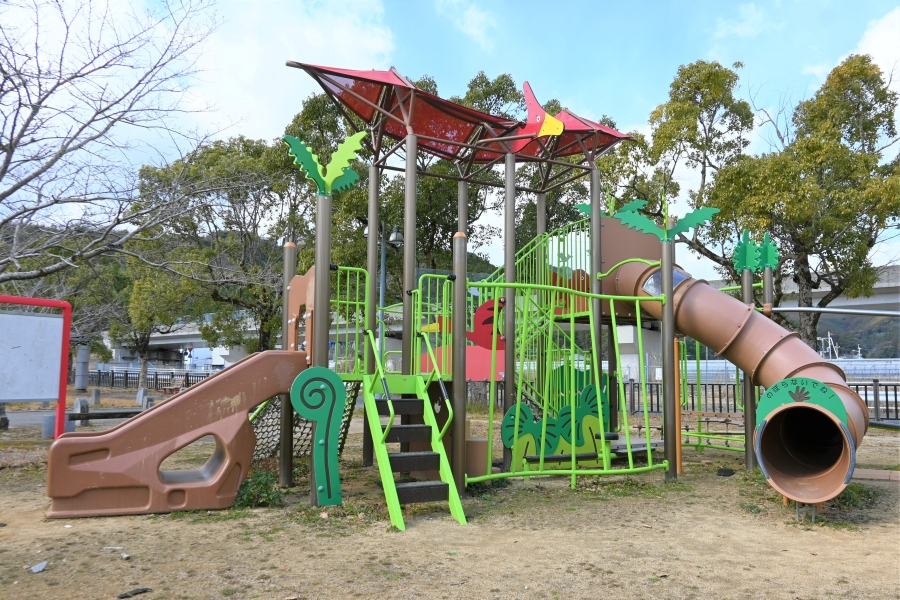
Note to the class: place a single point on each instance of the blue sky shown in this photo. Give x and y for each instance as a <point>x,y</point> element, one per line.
<point>613,58</point>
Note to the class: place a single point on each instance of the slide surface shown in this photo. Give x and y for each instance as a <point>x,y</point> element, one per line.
<point>117,472</point>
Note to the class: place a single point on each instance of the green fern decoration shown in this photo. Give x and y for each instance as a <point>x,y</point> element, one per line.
<point>308,161</point>
<point>635,220</point>
<point>746,254</point>
<point>695,218</point>
<point>768,253</point>
<point>337,175</point>
<point>633,206</point>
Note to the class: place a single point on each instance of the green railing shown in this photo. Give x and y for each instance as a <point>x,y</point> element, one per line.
<point>548,361</point>
<point>348,308</point>
<point>379,373</point>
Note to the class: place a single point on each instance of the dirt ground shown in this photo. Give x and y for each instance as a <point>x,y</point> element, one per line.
<point>705,536</point>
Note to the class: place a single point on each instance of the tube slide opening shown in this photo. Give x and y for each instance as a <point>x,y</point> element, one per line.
<point>806,452</point>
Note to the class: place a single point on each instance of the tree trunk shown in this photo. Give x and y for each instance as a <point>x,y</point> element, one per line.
<point>142,376</point>
<point>808,321</point>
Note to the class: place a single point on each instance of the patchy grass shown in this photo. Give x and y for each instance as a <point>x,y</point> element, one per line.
<point>259,490</point>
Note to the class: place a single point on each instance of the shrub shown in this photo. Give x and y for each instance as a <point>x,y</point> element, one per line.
<point>259,490</point>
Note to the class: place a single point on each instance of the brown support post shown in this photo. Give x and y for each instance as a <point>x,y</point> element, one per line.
<point>409,253</point>
<point>509,312</point>
<point>458,431</point>
<point>748,390</point>
<point>462,207</point>
<point>677,351</point>
<point>368,451</point>
<point>286,433</point>
<point>596,269</point>
<point>322,303</point>
<point>668,359</point>
<point>542,213</point>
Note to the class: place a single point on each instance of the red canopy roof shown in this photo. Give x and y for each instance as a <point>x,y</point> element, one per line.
<point>365,92</point>
<point>444,128</point>
<point>596,137</point>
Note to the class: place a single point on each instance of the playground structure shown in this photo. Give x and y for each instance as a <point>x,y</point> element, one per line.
<point>539,321</point>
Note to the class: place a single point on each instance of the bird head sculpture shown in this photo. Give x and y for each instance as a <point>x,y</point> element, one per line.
<point>539,123</point>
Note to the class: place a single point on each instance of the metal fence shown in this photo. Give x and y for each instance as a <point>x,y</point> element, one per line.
<point>156,380</point>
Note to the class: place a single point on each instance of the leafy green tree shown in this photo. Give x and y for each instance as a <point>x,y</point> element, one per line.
<point>826,196</point>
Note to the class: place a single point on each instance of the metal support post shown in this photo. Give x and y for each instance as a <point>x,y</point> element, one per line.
<point>462,207</point>
<point>542,213</point>
<point>668,359</point>
<point>286,433</point>
<point>768,287</point>
<point>509,312</point>
<point>748,390</point>
<point>368,451</point>
<point>322,304</point>
<point>596,268</point>
<point>458,431</point>
<point>409,253</point>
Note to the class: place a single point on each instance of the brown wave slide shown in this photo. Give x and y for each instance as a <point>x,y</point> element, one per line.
<point>117,472</point>
<point>806,452</point>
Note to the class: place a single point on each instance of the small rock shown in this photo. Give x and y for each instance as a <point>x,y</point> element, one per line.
<point>125,556</point>
<point>706,463</point>
<point>2,524</point>
<point>113,548</point>
<point>38,567</point>
<point>323,515</point>
<point>292,598</point>
<point>725,472</point>
<point>662,575</point>
<point>67,527</point>
<point>647,526</point>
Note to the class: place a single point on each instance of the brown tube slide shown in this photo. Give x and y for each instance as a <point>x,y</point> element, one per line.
<point>805,451</point>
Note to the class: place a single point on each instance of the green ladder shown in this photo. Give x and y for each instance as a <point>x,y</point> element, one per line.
<point>392,389</point>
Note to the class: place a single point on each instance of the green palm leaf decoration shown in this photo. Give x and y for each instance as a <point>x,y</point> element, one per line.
<point>340,160</point>
<point>308,161</point>
<point>695,218</point>
<point>635,220</point>
<point>633,206</point>
<point>337,175</point>
<point>345,181</point>
<point>746,254</point>
<point>768,253</point>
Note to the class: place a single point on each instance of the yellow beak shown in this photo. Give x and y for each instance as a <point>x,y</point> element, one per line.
<point>551,126</point>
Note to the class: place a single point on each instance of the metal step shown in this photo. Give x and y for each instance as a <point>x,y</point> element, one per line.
<point>409,433</point>
<point>534,458</point>
<point>402,406</point>
<point>609,436</point>
<point>405,462</point>
<point>410,492</point>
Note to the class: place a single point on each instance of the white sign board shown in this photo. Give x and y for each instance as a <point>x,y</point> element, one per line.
<point>30,348</point>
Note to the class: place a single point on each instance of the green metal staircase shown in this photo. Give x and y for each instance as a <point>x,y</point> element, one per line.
<point>408,395</point>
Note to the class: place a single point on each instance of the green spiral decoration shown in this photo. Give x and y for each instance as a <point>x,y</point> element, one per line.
<point>318,395</point>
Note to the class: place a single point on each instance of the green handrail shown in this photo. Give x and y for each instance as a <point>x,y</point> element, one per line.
<point>435,373</point>
<point>379,370</point>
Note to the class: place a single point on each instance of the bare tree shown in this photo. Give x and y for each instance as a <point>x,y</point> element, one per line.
<point>88,88</point>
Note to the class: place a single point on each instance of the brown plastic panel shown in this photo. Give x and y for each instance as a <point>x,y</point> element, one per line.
<point>302,294</point>
<point>768,352</point>
<point>117,472</point>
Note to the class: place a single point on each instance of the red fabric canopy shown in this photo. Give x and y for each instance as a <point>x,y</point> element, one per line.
<point>584,129</point>
<point>432,116</point>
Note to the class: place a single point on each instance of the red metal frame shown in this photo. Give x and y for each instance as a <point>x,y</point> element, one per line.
<point>64,356</point>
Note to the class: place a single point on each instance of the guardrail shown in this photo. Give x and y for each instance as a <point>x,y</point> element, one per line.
<point>156,380</point>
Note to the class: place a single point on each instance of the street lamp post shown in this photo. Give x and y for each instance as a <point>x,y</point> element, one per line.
<point>395,240</point>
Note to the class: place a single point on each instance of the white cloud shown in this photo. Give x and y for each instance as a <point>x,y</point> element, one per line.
<point>470,19</point>
<point>751,22</point>
<point>882,42</point>
<point>244,61</point>
<point>819,71</point>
